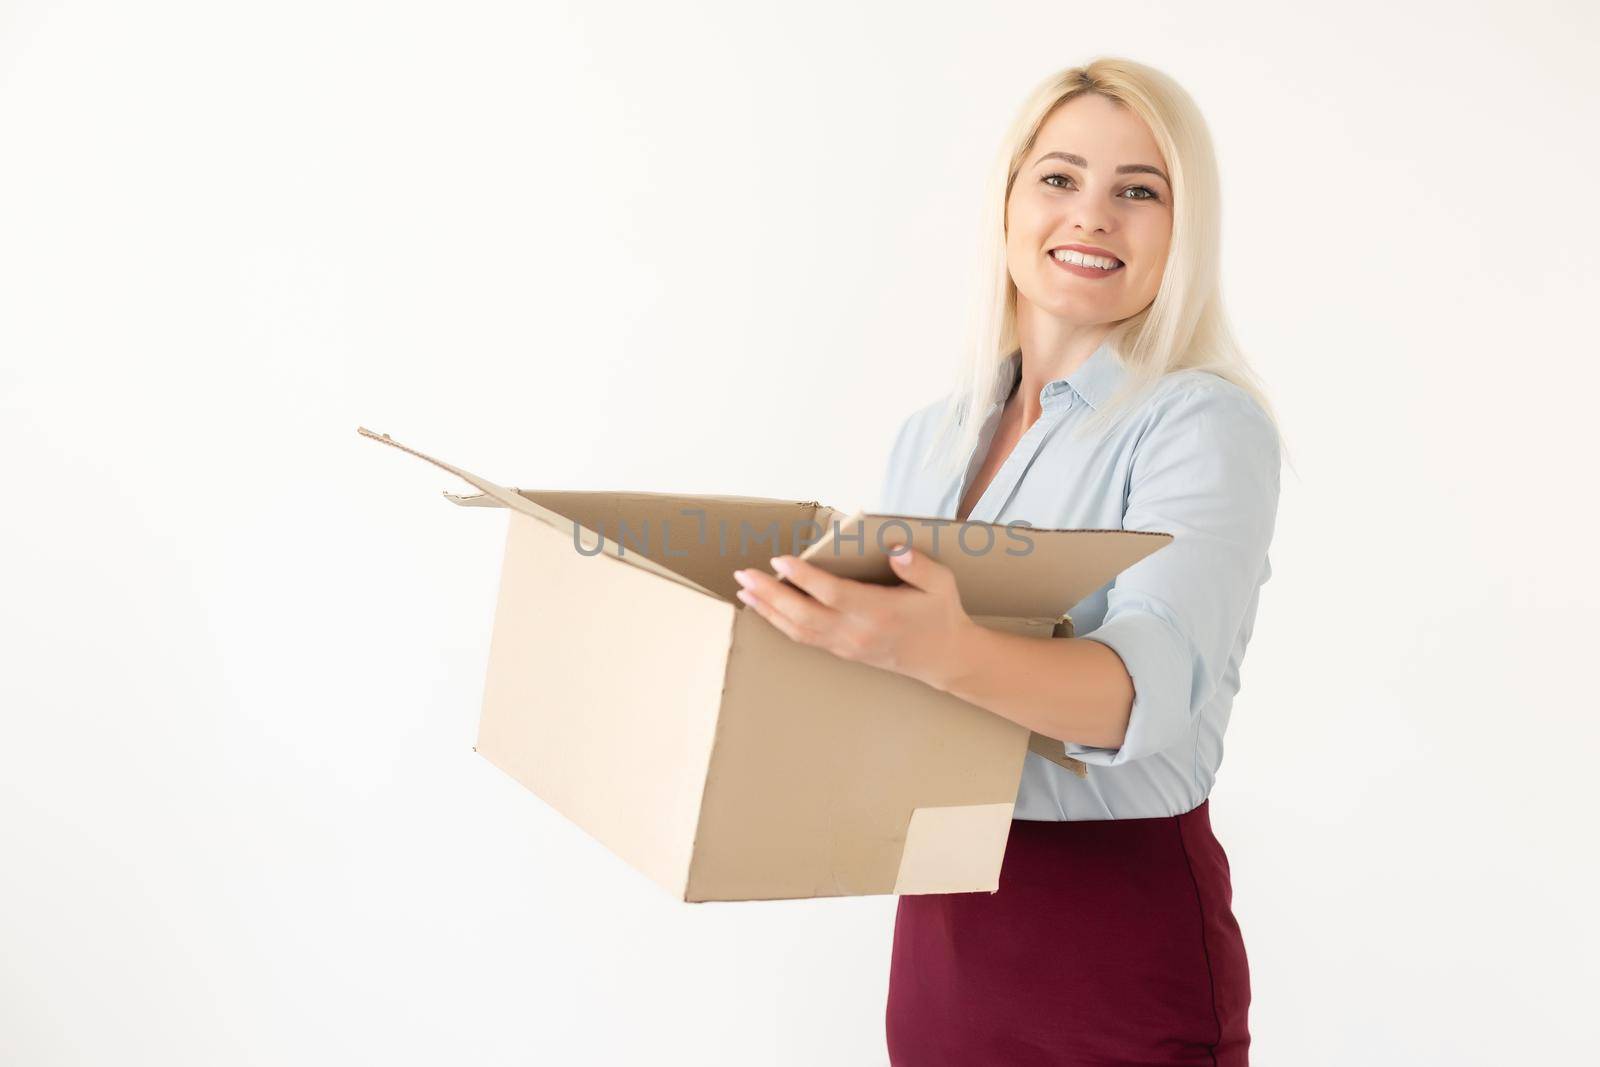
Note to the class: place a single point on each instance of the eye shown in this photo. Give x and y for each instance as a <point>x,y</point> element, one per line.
<point>1144,192</point>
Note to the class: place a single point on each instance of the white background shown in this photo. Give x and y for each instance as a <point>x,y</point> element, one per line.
<point>725,248</point>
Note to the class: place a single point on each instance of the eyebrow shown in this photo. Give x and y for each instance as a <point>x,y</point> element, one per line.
<point>1126,168</point>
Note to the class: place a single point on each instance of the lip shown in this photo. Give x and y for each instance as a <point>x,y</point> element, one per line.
<point>1085,272</point>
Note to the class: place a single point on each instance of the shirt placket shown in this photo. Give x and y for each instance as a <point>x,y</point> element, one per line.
<point>999,491</point>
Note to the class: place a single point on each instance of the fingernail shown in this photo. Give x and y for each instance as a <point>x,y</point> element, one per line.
<point>780,564</point>
<point>739,577</point>
<point>903,556</point>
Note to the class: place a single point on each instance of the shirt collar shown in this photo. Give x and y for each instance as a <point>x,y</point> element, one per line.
<point>1095,380</point>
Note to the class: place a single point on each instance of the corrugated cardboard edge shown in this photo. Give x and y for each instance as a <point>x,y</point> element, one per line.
<point>686,894</point>
<point>951,849</point>
<point>515,501</point>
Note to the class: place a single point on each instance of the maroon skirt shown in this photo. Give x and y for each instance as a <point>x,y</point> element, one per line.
<point>1110,942</point>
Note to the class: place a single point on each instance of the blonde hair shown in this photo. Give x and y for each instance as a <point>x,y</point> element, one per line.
<point>1184,327</point>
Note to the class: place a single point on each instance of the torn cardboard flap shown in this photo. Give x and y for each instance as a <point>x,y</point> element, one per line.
<point>519,503</point>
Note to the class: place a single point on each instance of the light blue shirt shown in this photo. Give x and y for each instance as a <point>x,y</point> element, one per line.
<point>1197,459</point>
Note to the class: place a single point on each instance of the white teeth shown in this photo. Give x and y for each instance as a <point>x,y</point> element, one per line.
<point>1067,255</point>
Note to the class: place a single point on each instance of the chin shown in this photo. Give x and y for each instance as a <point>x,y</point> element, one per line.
<point>1077,312</point>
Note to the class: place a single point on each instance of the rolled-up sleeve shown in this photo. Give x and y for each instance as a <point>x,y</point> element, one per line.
<point>1206,470</point>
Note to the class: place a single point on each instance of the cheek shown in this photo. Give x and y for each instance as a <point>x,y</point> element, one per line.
<point>1019,228</point>
<point>1155,241</point>
<point>1028,218</point>
<point>1019,252</point>
<point>1154,236</point>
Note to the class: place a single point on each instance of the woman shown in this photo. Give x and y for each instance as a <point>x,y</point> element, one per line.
<point>1104,392</point>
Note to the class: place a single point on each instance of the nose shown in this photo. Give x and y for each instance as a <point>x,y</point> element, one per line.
<point>1088,215</point>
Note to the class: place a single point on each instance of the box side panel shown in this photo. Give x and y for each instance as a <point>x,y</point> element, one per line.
<point>958,849</point>
<point>820,765</point>
<point>602,695</point>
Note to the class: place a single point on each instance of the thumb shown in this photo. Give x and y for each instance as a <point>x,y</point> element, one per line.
<point>916,568</point>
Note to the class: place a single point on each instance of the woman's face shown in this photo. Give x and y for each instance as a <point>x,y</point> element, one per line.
<point>1095,180</point>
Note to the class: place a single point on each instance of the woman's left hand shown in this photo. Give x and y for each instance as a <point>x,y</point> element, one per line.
<point>918,629</point>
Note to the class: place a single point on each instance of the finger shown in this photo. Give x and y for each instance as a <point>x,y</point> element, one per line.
<point>919,569</point>
<point>779,622</point>
<point>794,605</point>
<point>830,589</point>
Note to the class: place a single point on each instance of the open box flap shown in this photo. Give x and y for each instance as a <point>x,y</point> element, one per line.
<point>510,498</point>
<point>700,536</point>
<point>1011,571</point>
<point>484,500</point>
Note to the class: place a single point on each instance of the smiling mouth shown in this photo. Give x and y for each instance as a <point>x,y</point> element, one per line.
<point>1073,258</point>
<point>1094,268</point>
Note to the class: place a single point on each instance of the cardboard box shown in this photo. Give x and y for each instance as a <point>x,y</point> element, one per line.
<point>633,692</point>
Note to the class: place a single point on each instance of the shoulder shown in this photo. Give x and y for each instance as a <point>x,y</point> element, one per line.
<point>1199,411</point>
<point>905,485</point>
<point>1199,396</point>
<point>1195,388</point>
<point>919,428</point>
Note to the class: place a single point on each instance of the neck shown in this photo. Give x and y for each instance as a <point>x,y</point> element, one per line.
<point>1051,348</point>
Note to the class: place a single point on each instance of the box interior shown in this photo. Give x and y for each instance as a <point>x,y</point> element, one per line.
<point>702,538</point>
